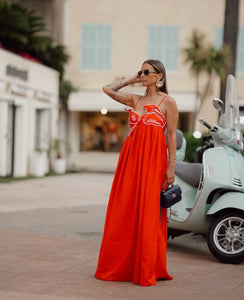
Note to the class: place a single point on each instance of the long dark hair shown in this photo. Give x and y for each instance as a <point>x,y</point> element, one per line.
<point>159,68</point>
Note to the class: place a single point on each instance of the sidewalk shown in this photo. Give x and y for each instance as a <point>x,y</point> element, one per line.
<point>96,161</point>
<point>37,267</point>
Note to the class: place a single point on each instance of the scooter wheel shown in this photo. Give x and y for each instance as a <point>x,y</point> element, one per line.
<point>226,237</point>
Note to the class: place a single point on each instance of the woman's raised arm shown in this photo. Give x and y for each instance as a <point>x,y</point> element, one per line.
<point>112,90</point>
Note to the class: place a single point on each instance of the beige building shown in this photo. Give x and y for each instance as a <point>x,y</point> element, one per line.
<point>110,39</point>
<point>29,102</point>
<point>28,115</point>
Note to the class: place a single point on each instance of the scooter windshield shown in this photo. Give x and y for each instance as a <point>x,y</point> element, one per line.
<point>230,118</point>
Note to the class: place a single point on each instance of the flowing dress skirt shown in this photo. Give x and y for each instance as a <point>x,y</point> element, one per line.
<point>134,242</point>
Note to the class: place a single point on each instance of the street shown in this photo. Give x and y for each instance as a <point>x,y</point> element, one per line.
<point>72,206</point>
<point>50,231</point>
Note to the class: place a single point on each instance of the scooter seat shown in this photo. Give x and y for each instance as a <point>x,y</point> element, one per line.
<point>189,172</point>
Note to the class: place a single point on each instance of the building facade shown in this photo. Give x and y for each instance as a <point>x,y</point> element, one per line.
<point>28,115</point>
<point>110,39</point>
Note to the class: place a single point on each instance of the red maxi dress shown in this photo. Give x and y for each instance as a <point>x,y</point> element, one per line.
<point>134,242</point>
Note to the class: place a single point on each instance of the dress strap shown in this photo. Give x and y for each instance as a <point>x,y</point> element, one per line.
<point>162,100</point>
<point>137,101</point>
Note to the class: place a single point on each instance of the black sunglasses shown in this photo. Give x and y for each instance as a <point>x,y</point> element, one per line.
<point>145,72</point>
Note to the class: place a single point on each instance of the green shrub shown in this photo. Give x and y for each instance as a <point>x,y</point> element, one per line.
<point>191,145</point>
<point>24,32</point>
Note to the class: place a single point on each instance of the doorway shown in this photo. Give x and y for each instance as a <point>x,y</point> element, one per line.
<point>11,118</point>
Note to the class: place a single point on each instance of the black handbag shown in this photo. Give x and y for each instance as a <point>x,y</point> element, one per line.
<point>171,196</point>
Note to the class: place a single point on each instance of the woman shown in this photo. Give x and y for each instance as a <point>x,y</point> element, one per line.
<point>135,233</point>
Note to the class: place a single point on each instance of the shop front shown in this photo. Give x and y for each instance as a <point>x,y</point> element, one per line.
<point>102,132</point>
<point>99,126</point>
<point>28,115</point>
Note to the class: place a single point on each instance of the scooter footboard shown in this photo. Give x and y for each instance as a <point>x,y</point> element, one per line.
<point>181,210</point>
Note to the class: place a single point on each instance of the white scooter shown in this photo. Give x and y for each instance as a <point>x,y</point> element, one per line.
<point>213,191</point>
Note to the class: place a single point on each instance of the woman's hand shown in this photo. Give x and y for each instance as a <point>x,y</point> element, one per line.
<point>135,79</point>
<point>169,175</point>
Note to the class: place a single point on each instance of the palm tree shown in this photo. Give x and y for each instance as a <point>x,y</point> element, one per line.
<point>14,27</point>
<point>217,62</point>
<point>230,38</point>
<point>204,60</point>
<point>22,31</point>
<point>195,54</point>
<point>55,57</point>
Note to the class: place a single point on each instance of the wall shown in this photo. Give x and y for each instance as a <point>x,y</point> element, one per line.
<point>130,20</point>
<point>36,91</point>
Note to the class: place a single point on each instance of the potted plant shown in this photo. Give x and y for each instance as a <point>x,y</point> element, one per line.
<point>59,162</point>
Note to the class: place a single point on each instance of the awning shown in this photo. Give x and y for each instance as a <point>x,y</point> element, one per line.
<point>93,101</point>
<point>96,100</point>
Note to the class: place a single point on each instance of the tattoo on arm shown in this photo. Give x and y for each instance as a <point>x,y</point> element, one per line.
<point>117,95</point>
<point>113,90</point>
<point>115,86</point>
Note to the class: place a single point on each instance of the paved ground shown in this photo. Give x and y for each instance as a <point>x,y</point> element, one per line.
<point>43,265</point>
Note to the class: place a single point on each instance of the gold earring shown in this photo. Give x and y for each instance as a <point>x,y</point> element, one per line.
<point>159,83</point>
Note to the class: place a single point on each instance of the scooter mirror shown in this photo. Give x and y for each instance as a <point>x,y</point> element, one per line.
<point>218,104</point>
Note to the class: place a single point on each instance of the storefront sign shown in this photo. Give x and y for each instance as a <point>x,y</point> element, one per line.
<point>15,72</point>
<point>21,90</point>
<point>44,96</point>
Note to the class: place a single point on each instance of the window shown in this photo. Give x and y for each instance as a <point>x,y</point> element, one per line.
<point>164,45</point>
<point>95,47</point>
<point>240,47</point>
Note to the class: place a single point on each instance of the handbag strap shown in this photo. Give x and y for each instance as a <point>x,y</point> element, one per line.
<point>166,186</point>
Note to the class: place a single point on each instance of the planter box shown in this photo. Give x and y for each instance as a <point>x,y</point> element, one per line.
<point>59,165</point>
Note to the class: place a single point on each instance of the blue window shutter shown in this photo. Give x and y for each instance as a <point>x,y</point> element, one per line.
<point>95,47</point>
<point>87,46</point>
<point>105,47</point>
<point>218,37</point>
<point>240,52</point>
<point>163,44</point>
